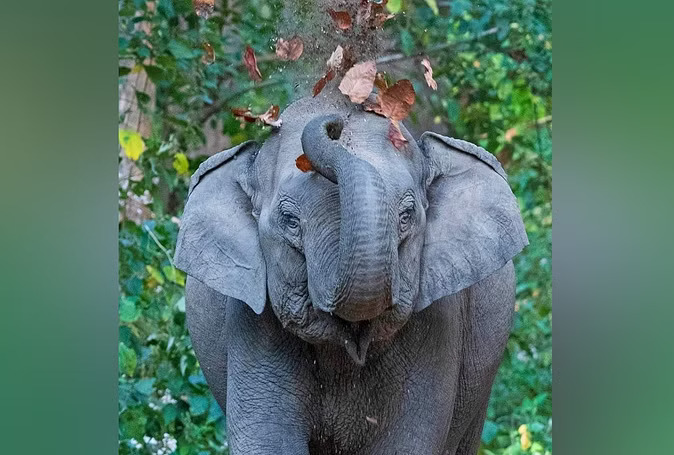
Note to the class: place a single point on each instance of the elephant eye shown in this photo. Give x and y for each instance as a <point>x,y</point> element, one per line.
<point>290,222</point>
<point>406,218</point>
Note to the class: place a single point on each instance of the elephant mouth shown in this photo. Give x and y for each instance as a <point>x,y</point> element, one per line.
<point>359,342</point>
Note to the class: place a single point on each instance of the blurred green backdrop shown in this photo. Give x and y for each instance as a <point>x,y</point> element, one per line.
<point>492,61</point>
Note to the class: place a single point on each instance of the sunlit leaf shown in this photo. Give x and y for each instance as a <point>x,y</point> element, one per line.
<point>132,143</point>
<point>180,164</point>
<point>434,6</point>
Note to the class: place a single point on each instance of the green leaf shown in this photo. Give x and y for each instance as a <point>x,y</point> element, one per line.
<point>180,304</point>
<point>144,386</point>
<point>132,143</point>
<point>124,70</point>
<point>489,431</point>
<point>127,359</point>
<point>181,50</point>
<point>407,42</point>
<point>198,404</point>
<point>394,6</point>
<point>128,311</point>
<point>155,73</point>
<point>170,413</point>
<point>434,6</point>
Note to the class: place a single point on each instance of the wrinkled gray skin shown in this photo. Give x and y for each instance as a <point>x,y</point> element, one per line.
<point>361,308</point>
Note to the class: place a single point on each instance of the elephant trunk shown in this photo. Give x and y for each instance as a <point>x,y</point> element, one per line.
<point>359,284</point>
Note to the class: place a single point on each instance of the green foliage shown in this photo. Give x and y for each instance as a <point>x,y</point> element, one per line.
<point>494,90</point>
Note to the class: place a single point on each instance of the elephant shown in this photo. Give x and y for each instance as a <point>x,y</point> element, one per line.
<point>362,307</point>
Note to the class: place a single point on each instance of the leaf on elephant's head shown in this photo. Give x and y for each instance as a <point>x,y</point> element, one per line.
<point>397,101</point>
<point>204,8</point>
<point>289,49</point>
<point>250,62</point>
<point>395,135</point>
<point>303,163</point>
<point>336,58</point>
<point>358,82</point>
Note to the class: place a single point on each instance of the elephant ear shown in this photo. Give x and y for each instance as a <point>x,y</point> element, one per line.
<point>473,226</point>
<point>218,240</point>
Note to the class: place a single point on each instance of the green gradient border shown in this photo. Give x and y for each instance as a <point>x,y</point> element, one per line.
<point>58,225</point>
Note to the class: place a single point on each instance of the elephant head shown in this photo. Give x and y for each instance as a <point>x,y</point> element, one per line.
<point>346,253</point>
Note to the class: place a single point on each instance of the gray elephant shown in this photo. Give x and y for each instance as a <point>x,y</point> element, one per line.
<point>359,308</point>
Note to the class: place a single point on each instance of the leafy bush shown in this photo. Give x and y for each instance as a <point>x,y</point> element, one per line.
<point>492,62</point>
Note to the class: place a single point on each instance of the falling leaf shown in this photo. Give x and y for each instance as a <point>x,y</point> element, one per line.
<point>428,74</point>
<point>372,420</point>
<point>394,6</point>
<point>397,101</point>
<point>335,60</point>
<point>132,143</point>
<point>268,118</point>
<point>396,136</point>
<point>358,81</point>
<point>209,56</point>
<point>271,116</point>
<point>289,50</point>
<point>303,163</point>
<point>245,114</point>
<point>251,64</point>
<point>342,19</point>
<point>320,85</point>
<point>380,81</point>
<point>180,164</point>
<point>380,18</point>
<point>372,104</point>
<point>204,8</point>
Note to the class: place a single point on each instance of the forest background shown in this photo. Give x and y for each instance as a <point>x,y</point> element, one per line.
<point>180,76</point>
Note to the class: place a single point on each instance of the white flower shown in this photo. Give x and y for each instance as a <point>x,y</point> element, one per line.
<point>134,444</point>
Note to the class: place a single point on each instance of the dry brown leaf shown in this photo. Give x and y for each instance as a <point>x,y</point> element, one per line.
<point>380,82</point>
<point>209,55</point>
<point>289,50</point>
<point>251,64</point>
<point>397,101</point>
<point>335,60</point>
<point>320,85</point>
<point>204,8</point>
<point>358,82</point>
<point>342,19</point>
<point>303,163</point>
<point>244,113</point>
<point>271,116</point>
<point>372,106</point>
<point>396,136</point>
<point>428,74</point>
<point>268,118</point>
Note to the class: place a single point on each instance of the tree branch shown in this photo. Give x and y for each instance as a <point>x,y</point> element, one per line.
<point>400,56</point>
